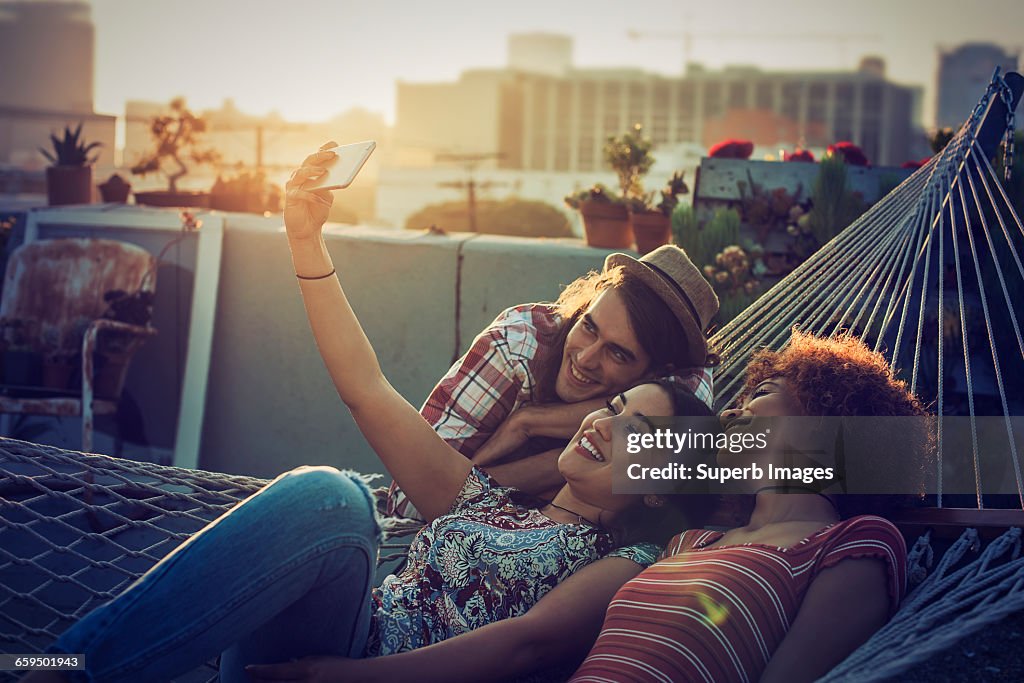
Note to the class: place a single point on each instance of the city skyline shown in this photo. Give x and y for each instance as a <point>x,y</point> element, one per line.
<point>338,55</point>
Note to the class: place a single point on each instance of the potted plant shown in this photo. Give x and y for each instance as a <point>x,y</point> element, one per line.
<point>652,223</point>
<point>69,176</point>
<point>115,190</point>
<point>177,138</point>
<point>605,217</point>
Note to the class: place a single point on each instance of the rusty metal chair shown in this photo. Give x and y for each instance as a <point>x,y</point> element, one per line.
<point>54,295</point>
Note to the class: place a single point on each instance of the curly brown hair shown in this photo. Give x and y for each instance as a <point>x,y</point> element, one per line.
<point>838,376</point>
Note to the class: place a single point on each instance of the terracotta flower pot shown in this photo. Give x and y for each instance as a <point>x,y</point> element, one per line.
<point>115,190</point>
<point>651,230</point>
<point>68,185</point>
<point>166,198</point>
<point>606,225</point>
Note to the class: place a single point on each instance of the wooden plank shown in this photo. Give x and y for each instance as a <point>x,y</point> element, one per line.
<point>951,522</point>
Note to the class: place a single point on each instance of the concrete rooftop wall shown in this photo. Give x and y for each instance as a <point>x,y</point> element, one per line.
<point>270,404</point>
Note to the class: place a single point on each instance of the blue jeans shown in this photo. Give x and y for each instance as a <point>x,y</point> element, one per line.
<point>284,574</point>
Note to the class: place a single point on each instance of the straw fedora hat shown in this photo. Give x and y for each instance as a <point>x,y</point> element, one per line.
<point>670,274</point>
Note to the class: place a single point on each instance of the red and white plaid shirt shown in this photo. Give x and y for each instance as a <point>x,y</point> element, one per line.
<point>494,377</point>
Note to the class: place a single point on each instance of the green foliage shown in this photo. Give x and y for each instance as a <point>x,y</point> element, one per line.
<point>71,150</point>
<point>834,206</point>
<point>714,249</point>
<point>515,217</point>
<point>669,197</point>
<point>599,192</point>
<point>177,137</point>
<point>629,155</point>
<point>702,244</point>
<point>684,224</point>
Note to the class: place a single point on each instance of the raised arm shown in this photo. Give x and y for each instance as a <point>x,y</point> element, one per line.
<point>429,470</point>
<point>559,630</point>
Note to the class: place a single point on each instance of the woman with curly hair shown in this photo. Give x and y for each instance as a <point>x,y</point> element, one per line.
<point>791,593</point>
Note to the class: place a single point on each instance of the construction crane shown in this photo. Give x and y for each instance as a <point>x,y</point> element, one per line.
<point>687,38</point>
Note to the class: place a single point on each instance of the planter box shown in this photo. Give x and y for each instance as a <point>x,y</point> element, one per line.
<point>199,200</point>
<point>68,185</point>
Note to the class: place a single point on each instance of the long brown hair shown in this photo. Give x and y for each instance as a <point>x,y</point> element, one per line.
<point>679,511</point>
<point>657,329</point>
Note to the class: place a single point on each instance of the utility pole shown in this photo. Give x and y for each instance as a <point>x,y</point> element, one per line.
<point>470,162</point>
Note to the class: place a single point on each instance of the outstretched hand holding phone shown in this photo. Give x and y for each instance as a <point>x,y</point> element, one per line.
<point>307,193</point>
<point>305,211</point>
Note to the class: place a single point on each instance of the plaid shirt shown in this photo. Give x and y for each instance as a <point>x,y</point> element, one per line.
<point>496,375</point>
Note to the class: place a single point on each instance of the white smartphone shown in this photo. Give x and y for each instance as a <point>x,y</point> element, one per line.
<point>344,168</point>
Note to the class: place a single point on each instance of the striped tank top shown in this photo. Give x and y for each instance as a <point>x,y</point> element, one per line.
<point>718,614</point>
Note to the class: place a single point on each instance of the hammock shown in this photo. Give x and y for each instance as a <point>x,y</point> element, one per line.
<point>76,529</point>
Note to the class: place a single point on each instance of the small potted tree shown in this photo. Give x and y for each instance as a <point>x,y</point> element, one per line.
<point>177,139</point>
<point>69,176</point>
<point>606,215</point>
<point>652,223</point>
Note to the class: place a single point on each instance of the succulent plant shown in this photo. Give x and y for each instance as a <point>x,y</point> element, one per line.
<point>598,192</point>
<point>71,150</point>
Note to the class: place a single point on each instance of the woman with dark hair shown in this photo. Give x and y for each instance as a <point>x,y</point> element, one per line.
<point>790,594</point>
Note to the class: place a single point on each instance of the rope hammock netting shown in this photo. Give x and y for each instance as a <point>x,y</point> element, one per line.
<point>929,276</point>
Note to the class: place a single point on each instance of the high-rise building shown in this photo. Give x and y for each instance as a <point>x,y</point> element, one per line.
<point>46,78</point>
<point>559,122</point>
<point>46,49</point>
<point>964,72</point>
<point>542,53</point>
<point>565,121</point>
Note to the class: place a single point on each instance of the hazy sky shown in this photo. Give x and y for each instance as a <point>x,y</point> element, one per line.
<point>312,59</point>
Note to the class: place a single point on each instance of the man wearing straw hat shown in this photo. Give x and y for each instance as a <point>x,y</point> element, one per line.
<point>528,380</point>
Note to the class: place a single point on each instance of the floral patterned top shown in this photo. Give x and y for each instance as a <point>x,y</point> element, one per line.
<point>489,558</point>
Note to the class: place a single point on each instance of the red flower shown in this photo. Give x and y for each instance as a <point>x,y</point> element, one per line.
<point>851,153</point>
<point>915,164</point>
<point>799,155</point>
<point>732,148</point>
